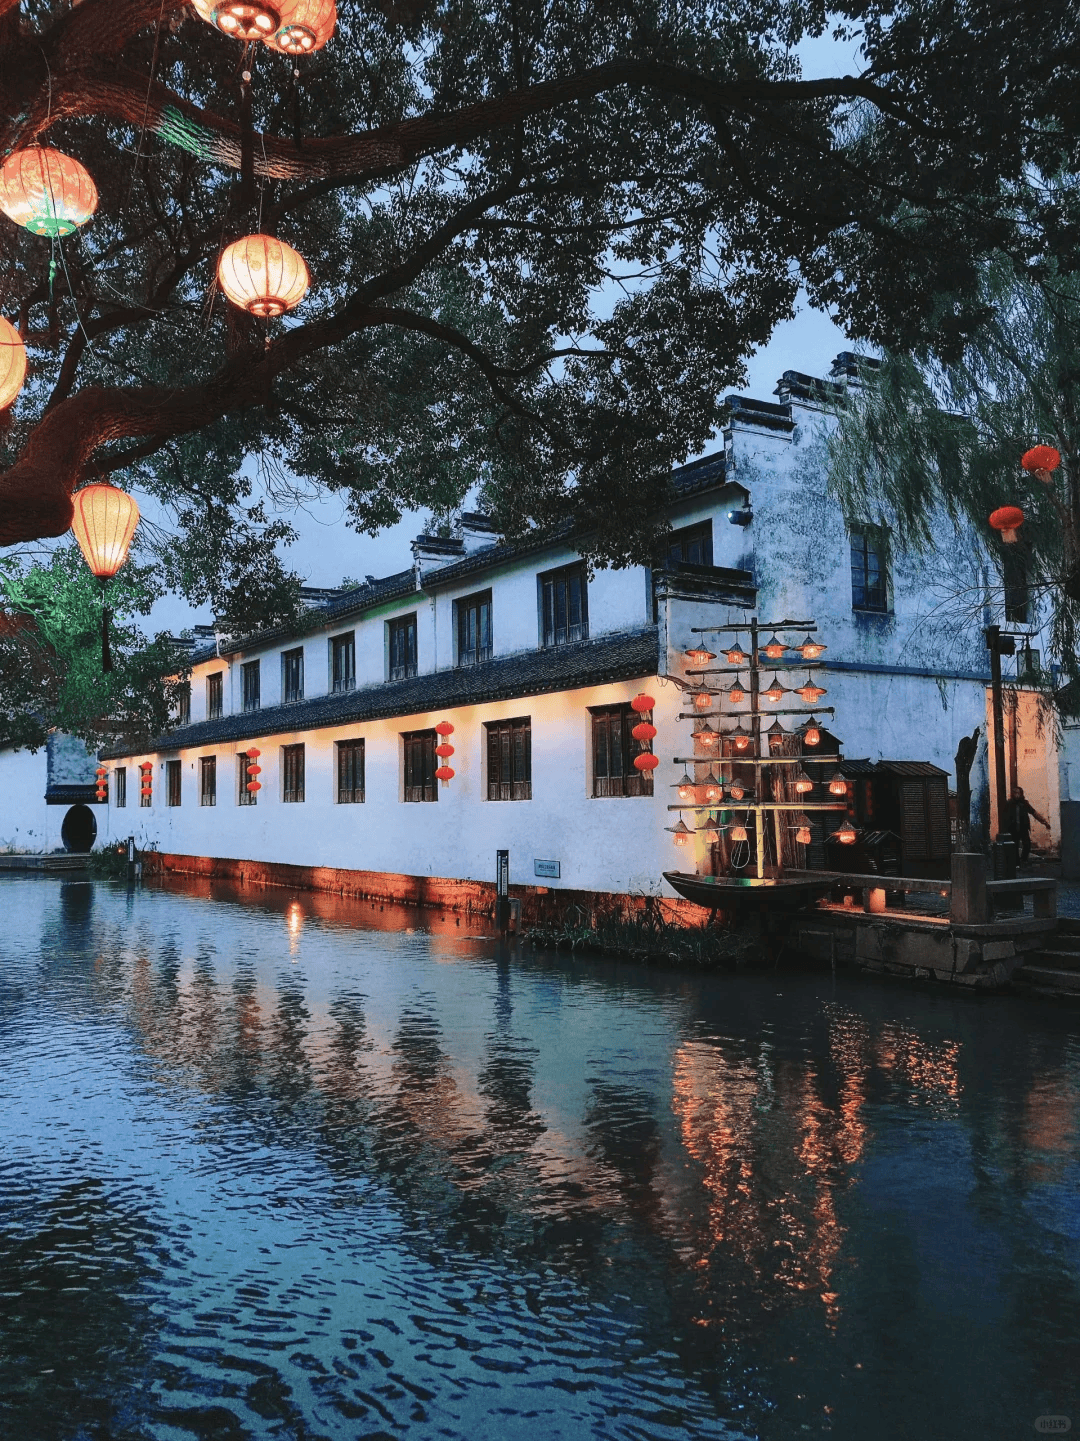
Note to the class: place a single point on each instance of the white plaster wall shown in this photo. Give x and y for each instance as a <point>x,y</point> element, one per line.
<point>609,844</point>
<point>26,822</point>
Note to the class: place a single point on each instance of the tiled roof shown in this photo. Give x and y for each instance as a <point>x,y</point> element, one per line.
<point>594,662</point>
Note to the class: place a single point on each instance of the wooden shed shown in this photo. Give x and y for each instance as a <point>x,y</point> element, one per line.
<point>910,798</point>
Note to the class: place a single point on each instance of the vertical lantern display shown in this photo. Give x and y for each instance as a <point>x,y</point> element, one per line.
<point>146,782</point>
<point>104,520</point>
<point>254,770</point>
<point>444,750</point>
<point>102,783</point>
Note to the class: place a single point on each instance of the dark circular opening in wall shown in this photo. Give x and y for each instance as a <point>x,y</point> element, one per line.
<point>79,830</point>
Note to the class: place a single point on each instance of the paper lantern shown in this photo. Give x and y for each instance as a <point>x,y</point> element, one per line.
<point>845,834</point>
<point>775,648</point>
<point>263,275</point>
<point>803,784</point>
<point>12,363</point>
<point>253,786</point>
<point>246,19</point>
<point>104,521</point>
<point>643,731</point>
<point>811,649</point>
<point>46,192</point>
<point>735,656</point>
<point>810,692</point>
<point>1040,460</point>
<point>304,26</point>
<point>444,773</point>
<point>837,785</point>
<point>253,754</point>
<point>444,728</point>
<point>444,751</point>
<point>738,832</point>
<point>699,657</point>
<point>642,703</point>
<point>811,733</point>
<point>647,762</point>
<point>703,700</point>
<point>1008,519</point>
<point>736,694</point>
<point>776,691</point>
<point>254,770</point>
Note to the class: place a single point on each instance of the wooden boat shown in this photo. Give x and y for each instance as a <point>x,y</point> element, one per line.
<point>790,890</point>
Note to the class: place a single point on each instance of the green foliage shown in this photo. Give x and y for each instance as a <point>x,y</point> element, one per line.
<point>924,437</point>
<point>50,655</point>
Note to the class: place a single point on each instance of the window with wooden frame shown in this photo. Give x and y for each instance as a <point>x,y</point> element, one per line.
<point>350,772</point>
<point>869,568</point>
<point>251,685</point>
<point>183,703</point>
<point>691,545</point>
<point>292,773</point>
<point>473,615</point>
<point>343,662</point>
<point>1017,592</point>
<point>120,786</point>
<point>509,760</point>
<point>214,693</point>
<point>613,752</point>
<point>208,781</point>
<point>292,674</point>
<point>172,783</point>
<point>244,797</point>
<point>564,605</point>
<point>420,761</point>
<point>401,637</point>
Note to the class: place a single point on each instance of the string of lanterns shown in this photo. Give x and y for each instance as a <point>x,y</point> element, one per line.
<point>253,770</point>
<point>146,781</point>
<point>101,783</point>
<point>444,751</point>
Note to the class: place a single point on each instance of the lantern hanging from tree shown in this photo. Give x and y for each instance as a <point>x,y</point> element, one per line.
<point>696,655</point>
<point>12,363</point>
<point>104,520</point>
<point>263,275</point>
<point>1040,461</point>
<point>643,731</point>
<point>1008,519</point>
<point>304,26</point>
<point>811,649</point>
<point>240,19</point>
<point>643,703</point>
<point>46,192</point>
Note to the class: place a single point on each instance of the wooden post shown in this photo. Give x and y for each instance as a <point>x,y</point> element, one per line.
<point>993,642</point>
<point>755,719</point>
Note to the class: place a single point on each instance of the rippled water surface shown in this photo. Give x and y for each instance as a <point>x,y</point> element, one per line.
<point>280,1167</point>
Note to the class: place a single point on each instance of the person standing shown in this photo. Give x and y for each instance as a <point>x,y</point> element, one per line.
<point>1020,812</point>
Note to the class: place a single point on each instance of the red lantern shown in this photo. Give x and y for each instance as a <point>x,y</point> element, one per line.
<point>244,20</point>
<point>444,773</point>
<point>646,762</point>
<point>254,753</point>
<point>12,363</point>
<point>1007,519</point>
<point>306,25</point>
<point>700,657</point>
<point>810,692</point>
<point>45,192</point>
<point>845,835</point>
<point>643,731</point>
<point>703,700</point>
<point>1040,460</point>
<point>254,786</point>
<point>775,649</point>
<point>444,751</point>
<point>811,649</point>
<point>254,770</point>
<point>444,728</point>
<point>642,703</point>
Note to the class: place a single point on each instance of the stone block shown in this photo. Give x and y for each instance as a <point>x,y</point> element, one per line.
<point>968,904</point>
<point>967,954</point>
<point>998,950</point>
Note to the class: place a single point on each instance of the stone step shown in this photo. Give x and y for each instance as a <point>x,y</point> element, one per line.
<point>1048,978</point>
<point>1059,960</point>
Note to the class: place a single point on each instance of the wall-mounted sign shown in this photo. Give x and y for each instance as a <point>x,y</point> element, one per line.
<point>547,868</point>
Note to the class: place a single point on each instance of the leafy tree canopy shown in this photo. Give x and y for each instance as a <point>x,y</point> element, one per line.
<point>50,655</point>
<point>467,182</point>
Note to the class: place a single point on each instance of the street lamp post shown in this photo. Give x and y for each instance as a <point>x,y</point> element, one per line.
<point>1004,846</point>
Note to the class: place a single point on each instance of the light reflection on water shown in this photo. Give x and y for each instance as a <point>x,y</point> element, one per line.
<point>286,1166</point>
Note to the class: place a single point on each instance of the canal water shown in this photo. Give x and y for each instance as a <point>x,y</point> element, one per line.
<point>279,1166</point>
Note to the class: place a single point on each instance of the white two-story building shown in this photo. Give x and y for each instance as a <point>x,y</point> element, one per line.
<point>534,663</point>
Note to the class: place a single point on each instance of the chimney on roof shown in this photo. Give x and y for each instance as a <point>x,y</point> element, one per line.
<point>476,530</point>
<point>850,369</point>
<point>432,552</point>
